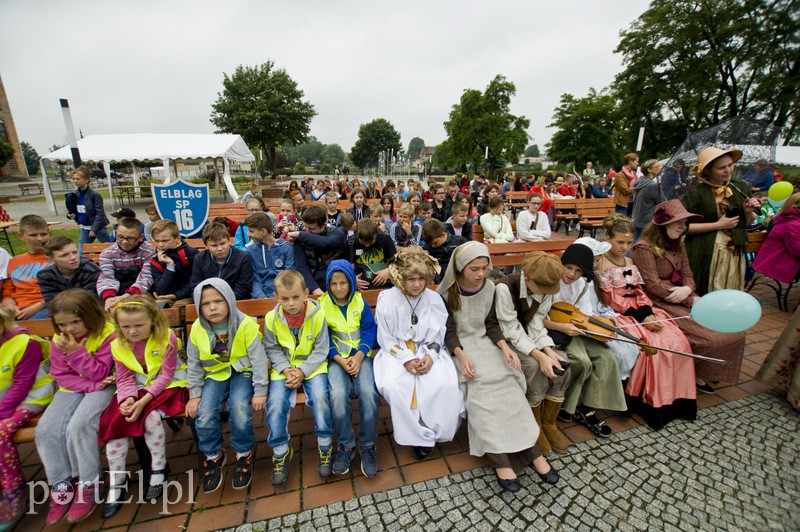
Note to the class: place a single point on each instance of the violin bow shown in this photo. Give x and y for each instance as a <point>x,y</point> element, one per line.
<point>642,344</point>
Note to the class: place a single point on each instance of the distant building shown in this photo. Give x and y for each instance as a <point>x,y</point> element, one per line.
<point>8,133</point>
<point>423,156</point>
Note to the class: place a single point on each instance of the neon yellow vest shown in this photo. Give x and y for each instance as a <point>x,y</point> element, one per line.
<point>11,352</point>
<point>93,343</point>
<point>345,331</point>
<point>153,358</point>
<point>298,347</point>
<point>239,360</point>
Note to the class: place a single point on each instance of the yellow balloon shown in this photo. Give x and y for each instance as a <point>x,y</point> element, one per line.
<point>780,191</point>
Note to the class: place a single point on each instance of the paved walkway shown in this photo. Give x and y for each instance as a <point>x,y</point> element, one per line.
<point>736,468</point>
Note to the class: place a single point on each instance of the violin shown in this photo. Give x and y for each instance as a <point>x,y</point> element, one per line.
<point>563,312</point>
<point>599,328</point>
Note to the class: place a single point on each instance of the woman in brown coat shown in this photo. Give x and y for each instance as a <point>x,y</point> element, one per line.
<point>661,258</point>
<point>623,184</point>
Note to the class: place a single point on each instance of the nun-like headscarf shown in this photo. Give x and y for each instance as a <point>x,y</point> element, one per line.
<point>463,255</point>
<point>411,261</point>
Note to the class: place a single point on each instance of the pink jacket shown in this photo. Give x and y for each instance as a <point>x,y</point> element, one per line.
<point>779,256</point>
<point>126,378</point>
<point>79,371</point>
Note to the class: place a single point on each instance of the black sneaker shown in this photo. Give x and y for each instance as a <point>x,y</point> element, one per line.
<point>280,467</point>
<point>342,460</point>
<point>212,473</point>
<point>325,458</point>
<point>243,472</point>
<point>369,462</point>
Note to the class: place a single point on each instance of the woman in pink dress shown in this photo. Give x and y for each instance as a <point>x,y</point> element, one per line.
<point>661,386</point>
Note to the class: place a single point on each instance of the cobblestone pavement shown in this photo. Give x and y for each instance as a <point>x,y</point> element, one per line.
<point>736,468</point>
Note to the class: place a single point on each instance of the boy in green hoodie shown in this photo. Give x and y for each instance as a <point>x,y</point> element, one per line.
<point>352,331</point>
<point>296,343</point>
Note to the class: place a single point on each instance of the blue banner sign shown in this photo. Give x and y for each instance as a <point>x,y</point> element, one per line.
<point>184,203</point>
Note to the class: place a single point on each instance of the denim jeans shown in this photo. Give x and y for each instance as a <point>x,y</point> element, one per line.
<point>238,391</point>
<point>343,389</point>
<point>102,236</point>
<point>279,404</point>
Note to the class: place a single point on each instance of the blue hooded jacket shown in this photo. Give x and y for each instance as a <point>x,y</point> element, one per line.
<point>369,329</point>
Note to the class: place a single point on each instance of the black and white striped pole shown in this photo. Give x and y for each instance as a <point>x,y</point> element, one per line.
<point>73,142</point>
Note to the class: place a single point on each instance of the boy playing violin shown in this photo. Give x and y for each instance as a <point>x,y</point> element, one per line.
<point>596,381</point>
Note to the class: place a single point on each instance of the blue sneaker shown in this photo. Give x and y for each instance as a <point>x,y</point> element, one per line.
<point>344,457</point>
<point>369,462</point>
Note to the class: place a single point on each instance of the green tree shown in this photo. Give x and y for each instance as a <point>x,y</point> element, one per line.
<point>587,130</point>
<point>264,105</point>
<point>31,157</point>
<point>694,63</point>
<point>532,151</point>
<point>6,152</point>
<point>415,146</point>
<point>373,138</point>
<point>481,120</point>
<point>333,154</point>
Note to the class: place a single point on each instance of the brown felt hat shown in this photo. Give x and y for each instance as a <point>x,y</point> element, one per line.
<point>544,269</point>
<point>708,155</point>
<point>673,211</point>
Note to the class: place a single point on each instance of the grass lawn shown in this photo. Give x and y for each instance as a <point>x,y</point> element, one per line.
<point>20,246</point>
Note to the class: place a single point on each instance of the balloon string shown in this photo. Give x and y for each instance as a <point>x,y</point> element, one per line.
<point>654,321</point>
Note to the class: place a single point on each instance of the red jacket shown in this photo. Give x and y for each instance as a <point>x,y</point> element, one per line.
<point>779,256</point>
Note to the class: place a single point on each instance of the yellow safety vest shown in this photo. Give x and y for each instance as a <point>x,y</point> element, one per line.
<point>153,358</point>
<point>299,347</point>
<point>345,331</point>
<point>11,352</point>
<point>92,344</point>
<point>220,370</point>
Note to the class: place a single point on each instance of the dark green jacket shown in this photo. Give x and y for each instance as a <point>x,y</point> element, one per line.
<point>700,247</point>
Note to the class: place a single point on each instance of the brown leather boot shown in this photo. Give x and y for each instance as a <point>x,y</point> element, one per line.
<point>544,445</point>
<point>558,441</point>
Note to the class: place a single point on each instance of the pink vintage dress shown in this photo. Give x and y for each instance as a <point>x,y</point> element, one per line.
<point>661,379</point>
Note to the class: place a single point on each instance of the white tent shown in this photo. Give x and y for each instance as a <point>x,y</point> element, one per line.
<point>106,149</point>
<point>789,155</point>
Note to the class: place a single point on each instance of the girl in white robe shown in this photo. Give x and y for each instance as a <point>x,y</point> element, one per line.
<point>413,370</point>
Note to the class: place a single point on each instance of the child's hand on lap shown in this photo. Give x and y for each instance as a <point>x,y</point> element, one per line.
<point>126,406</point>
<point>192,406</point>
<point>138,408</point>
<point>258,402</point>
<point>353,364</point>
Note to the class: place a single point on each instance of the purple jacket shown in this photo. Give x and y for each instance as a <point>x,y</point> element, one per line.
<point>79,371</point>
<point>779,256</point>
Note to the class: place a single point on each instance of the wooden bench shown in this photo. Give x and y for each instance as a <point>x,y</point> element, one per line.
<point>754,242</point>
<point>590,218</point>
<point>565,212</point>
<point>26,188</point>
<point>513,253</point>
<point>517,200</point>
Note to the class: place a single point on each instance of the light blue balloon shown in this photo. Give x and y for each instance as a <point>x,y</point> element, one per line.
<point>776,204</point>
<point>727,311</point>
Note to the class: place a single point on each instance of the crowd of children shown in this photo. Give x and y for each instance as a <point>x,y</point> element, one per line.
<point>493,353</point>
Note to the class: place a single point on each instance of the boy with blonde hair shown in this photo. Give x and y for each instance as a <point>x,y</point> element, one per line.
<point>296,343</point>
<point>21,291</point>
<point>172,265</point>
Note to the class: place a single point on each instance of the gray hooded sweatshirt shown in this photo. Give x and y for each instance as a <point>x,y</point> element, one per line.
<point>258,360</point>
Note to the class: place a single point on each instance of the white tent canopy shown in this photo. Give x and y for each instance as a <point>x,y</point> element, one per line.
<point>789,155</point>
<point>106,149</point>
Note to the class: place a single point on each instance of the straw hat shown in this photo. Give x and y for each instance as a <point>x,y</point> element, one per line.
<point>560,181</point>
<point>673,211</point>
<point>705,157</point>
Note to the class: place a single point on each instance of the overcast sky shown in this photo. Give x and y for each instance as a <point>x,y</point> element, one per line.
<point>154,66</point>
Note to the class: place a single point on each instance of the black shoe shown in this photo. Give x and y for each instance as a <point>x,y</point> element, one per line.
<point>564,416</point>
<point>511,485</point>
<point>212,473</point>
<point>706,388</point>
<point>422,452</point>
<point>243,472</point>
<point>154,492</point>
<point>587,416</point>
<point>110,509</point>
<point>551,477</point>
